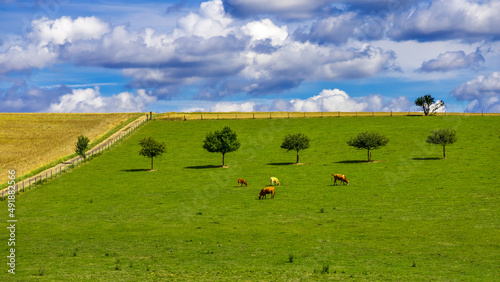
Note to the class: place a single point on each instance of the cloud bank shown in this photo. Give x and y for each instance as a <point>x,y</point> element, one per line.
<point>453,60</point>
<point>482,93</point>
<point>207,49</point>
<point>328,100</point>
<point>90,100</point>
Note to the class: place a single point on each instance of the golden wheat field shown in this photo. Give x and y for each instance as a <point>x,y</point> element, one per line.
<point>31,140</point>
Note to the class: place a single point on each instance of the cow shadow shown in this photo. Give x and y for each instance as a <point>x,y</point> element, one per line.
<point>203,166</point>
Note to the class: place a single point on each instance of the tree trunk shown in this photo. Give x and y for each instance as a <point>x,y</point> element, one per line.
<point>151,163</point>
<point>444,152</point>
<point>297,156</point>
<point>223,159</point>
<point>368,154</point>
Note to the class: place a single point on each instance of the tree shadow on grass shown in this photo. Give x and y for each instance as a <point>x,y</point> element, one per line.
<point>203,166</point>
<point>136,170</point>
<point>286,163</point>
<point>426,159</point>
<point>352,162</point>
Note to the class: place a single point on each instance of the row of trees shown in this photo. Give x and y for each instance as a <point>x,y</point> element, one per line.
<point>225,141</point>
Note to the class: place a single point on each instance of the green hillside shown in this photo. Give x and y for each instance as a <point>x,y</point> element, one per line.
<point>409,215</point>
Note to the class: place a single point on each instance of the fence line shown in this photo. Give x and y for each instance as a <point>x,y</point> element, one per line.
<point>276,115</point>
<point>34,181</point>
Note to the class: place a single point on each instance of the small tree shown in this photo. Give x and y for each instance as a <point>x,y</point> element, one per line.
<point>224,141</point>
<point>296,142</point>
<point>82,145</point>
<point>442,137</point>
<point>151,148</point>
<point>369,141</point>
<point>428,105</point>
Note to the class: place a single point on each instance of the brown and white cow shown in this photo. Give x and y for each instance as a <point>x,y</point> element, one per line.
<point>342,178</point>
<point>265,191</point>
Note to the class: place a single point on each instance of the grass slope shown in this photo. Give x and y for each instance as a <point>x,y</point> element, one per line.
<point>410,216</point>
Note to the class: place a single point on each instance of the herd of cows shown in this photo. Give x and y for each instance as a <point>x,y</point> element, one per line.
<point>274,181</point>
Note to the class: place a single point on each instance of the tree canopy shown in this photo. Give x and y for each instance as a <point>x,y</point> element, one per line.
<point>295,142</point>
<point>428,105</point>
<point>151,148</point>
<point>82,146</point>
<point>223,141</point>
<point>442,137</point>
<point>369,141</point>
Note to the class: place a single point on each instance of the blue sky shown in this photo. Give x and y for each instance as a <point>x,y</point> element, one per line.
<point>248,55</point>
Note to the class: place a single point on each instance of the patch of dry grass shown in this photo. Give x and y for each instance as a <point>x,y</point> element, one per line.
<point>32,140</point>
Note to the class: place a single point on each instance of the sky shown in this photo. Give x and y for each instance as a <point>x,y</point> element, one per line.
<point>248,55</point>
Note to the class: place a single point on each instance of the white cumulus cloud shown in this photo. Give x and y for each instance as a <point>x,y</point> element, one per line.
<point>90,100</point>
<point>211,20</point>
<point>332,100</point>
<point>453,60</point>
<point>65,29</point>
<point>450,19</point>
<point>482,93</point>
<point>266,29</point>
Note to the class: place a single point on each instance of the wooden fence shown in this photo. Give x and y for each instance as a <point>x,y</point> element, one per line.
<point>274,115</point>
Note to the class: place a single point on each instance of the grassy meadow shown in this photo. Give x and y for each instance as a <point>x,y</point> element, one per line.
<point>29,141</point>
<point>410,215</point>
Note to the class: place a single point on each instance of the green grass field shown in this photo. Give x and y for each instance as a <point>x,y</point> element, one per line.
<point>409,216</point>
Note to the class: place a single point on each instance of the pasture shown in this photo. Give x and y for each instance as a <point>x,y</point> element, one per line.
<point>409,215</point>
<point>30,141</point>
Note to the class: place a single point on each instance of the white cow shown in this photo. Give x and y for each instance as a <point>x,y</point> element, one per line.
<point>275,181</point>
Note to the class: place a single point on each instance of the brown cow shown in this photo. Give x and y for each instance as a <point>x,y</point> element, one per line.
<point>267,190</point>
<point>241,182</point>
<point>341,178</point>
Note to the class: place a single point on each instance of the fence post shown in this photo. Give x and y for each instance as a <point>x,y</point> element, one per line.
<point>253,115</point>
<point>338,114</point>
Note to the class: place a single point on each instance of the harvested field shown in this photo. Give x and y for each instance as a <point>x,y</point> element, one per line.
<point>29,141</point>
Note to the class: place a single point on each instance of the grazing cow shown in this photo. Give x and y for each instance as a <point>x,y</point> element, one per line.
<point>267,190</point>
<point>241,182</point>
<point>341,178</point>
<point>275,181</point>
